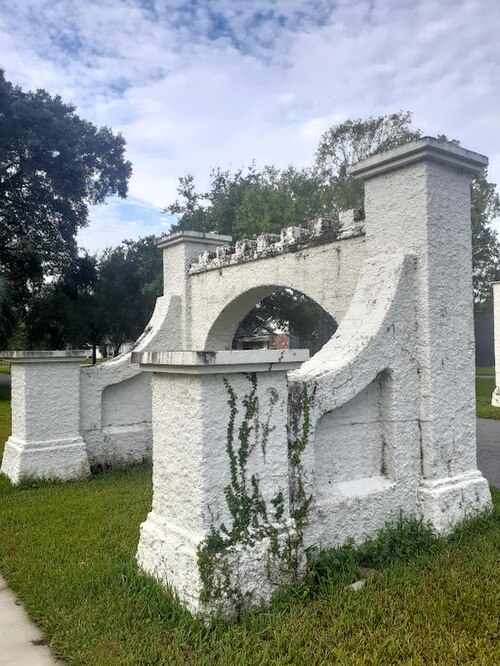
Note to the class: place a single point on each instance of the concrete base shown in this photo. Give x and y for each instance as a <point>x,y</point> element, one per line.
<point>62,459</point>
<point>448,502</point>
<point>249,571</point>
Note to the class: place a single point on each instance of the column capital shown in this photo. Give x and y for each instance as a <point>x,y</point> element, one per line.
<point>46,356</point>
<point>425,149</point>
<point>220,362</point>
<point>193,237</point>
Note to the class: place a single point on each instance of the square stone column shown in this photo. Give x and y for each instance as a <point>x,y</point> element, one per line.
<point>219,532</point>
<point>45,440</point>
<point>180,249</point>
<point>417,202</point>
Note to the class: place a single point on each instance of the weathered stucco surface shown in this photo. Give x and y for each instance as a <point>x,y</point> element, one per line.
<point>45,440</point>
<point>115,397</point>
<point>209,286</point>
<point>219,467</point>
<point>408,335</point>
<point>372,432</point>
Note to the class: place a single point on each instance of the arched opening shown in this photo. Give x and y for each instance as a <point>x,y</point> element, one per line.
<point>271,316</point>
<point>286,319</point>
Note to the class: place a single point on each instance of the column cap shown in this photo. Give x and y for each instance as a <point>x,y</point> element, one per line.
<point>196,237</point>
<point>46,356</point>
<point>427,148</point>
<point>220,362</point>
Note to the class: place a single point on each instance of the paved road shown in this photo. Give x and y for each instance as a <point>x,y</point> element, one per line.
<point>488,444</point>
<point>4,379</point>
<point>488,449</point>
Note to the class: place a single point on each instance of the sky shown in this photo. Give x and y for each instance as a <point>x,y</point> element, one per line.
<point>196,84</point>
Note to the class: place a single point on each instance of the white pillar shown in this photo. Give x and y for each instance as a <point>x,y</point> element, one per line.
<point>417,202</point>
<point>45,440</point>
<point>219,532</point>
<point>495,398</point>
<point>180,249</point>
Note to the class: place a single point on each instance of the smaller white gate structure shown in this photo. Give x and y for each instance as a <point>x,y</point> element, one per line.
<point>45,440</point>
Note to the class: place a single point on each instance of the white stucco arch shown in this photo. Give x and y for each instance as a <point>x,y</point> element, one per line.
<point>221,296</point>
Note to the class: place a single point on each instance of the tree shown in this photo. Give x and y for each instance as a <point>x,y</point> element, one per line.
<point>53,166</point>
<point>294,312</point>
<point>95,299</point>
<point>485,207</point>
<point>130,280</point>
<point>69,310</point>
<point>6,311</point>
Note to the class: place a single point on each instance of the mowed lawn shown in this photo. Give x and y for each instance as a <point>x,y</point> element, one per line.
<point>68,552</point>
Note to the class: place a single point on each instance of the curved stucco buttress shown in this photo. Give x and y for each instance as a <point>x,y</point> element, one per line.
<point>222,296</point>
<point>362,396</point>
<point>115,397</point>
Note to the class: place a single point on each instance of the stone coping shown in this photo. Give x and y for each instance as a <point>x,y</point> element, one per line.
<point>193,237</point>
<point>221,362</point>
<point>427,148</point>
<point>45,356</point>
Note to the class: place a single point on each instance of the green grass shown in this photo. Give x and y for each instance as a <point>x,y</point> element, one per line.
<point>5,416</point>
<point>484,408</point>
<point>68,549</point>
<point>5,369</point>
<point>488,371</point>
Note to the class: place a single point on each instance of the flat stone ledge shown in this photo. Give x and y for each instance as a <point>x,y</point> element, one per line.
<point>193,237</point>
<point>45,356</point>
<point>215,362</point>
<point>427,148</point>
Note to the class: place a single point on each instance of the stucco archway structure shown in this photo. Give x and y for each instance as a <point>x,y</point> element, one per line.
<point>321,262</point>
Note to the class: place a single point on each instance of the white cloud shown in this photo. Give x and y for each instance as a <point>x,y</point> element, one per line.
<point>196,84</point>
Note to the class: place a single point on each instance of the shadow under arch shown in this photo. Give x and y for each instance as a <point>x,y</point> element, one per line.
<point>221,333</point>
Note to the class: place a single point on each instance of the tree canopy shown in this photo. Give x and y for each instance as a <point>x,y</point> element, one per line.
<point>98,299</point>
<point>53,166</point>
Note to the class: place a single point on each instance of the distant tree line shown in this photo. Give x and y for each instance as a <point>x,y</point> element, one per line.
<point>97,301</point>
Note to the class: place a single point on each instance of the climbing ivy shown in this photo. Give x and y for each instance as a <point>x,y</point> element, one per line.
<point>251,519</point>
<point>300,420</point>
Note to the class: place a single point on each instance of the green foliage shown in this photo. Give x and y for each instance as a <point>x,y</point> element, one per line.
<point>485,207</point>
<point>130,280</point>
<point>250,521</point>
<point>53,166</point>
<point>484,390</point>
<point>68,552</point>
<point>96,299</point>
<point>6,311</point>
<point>398,542</point>
<point>354,140</point>
<point>295,313</point>
<point>249,202</point>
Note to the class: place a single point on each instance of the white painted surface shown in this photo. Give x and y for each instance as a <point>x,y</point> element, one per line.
<point>191,472</point>
<point>45,440</point>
